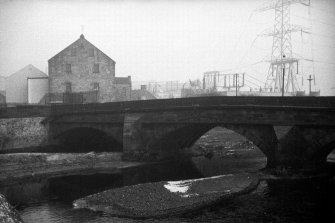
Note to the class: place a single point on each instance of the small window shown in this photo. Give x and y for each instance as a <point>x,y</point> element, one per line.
<point>73,52</point>
<point>96,68</point>
<point>91,52</point>
<point>95,86</point>
<point>82,46</point>
<point>68,87</point>
<point>68,68</point>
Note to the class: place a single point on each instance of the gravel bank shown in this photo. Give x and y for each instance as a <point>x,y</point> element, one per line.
<point>168,198</point>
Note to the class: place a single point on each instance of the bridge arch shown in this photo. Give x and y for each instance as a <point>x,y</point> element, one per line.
<point>86,139</point>
<point>180,137</point>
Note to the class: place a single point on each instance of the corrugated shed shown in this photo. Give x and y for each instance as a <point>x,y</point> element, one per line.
<point>17,84</point>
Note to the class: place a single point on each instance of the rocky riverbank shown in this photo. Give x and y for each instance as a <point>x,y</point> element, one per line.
<point>168,198</point>
<point>7,213</point>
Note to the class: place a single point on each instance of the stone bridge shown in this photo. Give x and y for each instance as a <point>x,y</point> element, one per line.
<point>159,129</point>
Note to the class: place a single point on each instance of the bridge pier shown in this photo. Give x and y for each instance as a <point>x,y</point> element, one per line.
<point>133,147</point>
<point>306,147</point>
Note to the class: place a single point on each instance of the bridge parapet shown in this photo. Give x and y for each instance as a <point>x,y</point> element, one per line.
<point>165,104</point>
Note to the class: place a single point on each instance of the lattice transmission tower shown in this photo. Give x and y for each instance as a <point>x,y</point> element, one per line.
<point>282,60</point>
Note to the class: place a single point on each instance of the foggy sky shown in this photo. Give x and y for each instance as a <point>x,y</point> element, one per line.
<point>165,40</point>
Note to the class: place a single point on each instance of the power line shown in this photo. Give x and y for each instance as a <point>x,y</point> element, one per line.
<point>322,35</point>
<point>324,62</point>
<point>317,44</point>
<point>256,79</point>
<point>251,82</point>
<point>314,20</point>
<point>323,10</point>
<point>253,64</point>
<point>246,53</point>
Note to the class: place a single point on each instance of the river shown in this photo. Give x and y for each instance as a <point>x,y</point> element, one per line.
<point>298,201</point>
<point>308,200</point>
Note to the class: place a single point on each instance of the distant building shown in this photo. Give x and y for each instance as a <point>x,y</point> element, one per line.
<point>81,73</point>
<point>2,90</point>
<point>2,99</point>
<point>17,85</point>
<point>123,88</point>
<point>2,83</point>
<point>142,94</point>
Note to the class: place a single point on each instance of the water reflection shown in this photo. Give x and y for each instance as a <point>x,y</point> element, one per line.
<point>223,165</point>
<point>302,201</point>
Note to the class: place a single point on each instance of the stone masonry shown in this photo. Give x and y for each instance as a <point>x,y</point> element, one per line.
<point>82,67</point>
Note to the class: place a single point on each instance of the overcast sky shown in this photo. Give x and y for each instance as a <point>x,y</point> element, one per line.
<point>167,40</point>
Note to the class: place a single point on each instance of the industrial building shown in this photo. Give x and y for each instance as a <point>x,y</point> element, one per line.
<point>17,86</point>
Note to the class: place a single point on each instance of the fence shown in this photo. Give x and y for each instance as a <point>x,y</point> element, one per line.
<point>71,98</point>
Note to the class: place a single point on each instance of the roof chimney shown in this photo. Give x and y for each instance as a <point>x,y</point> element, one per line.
<point>82,36</point>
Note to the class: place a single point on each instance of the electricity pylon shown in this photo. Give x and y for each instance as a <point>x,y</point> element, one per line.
<point>283,66</point>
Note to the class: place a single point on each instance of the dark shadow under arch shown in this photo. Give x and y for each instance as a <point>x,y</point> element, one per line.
<point>221,137</point>
<point>185,137</point>
<point>329,150</point>
<point>85,139</point>
<point>241,131</point>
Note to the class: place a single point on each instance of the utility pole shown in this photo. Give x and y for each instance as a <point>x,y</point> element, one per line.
<point>236,84</point>
<point>283,78</point>
<point>310,84</point>
<point>282,90</point>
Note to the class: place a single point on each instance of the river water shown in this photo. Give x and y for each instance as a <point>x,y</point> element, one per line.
<point>298,201</point>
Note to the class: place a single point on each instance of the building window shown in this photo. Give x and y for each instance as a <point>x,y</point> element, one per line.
<point>95,86</point>
<point>73,52</point>
<point>96,68</point>
<point>91,52</point>
<point>68,68</point>
<point>68,87</point>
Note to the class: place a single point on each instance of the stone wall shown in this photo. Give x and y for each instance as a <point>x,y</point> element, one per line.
<point>22,132</point>
<point>82,55</point>
<point>123,92</point>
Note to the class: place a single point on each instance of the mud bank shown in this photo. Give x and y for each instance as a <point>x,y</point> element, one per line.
<point>166,198</point>
<point>23,167</point>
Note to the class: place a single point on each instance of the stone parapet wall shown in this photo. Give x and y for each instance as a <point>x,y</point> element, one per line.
<point>22,132</point>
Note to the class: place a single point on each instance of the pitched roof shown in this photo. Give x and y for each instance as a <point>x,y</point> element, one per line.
<point>81,38</point>
<point>28,71</point>
<point>122,80</point>
<point>141,94</point>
